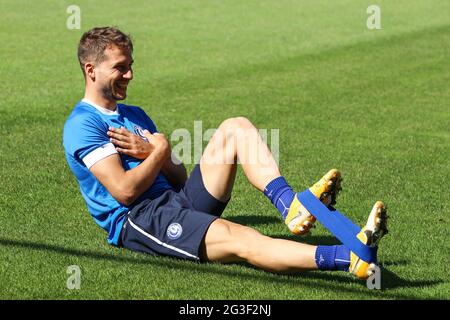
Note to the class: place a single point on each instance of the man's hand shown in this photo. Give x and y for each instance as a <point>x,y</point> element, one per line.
<point>135,146</point>
<point>159,144</point>
<point>127,185</point>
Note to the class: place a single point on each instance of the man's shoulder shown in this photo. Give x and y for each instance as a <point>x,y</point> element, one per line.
<point>83,126</point>
<point>81,122</point>
<point>82,114</point>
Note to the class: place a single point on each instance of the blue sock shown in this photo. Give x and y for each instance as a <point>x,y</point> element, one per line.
<point>280,194</point>
<point>333,258</point>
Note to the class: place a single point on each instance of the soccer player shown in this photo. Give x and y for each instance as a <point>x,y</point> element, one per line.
<point>138,192</point>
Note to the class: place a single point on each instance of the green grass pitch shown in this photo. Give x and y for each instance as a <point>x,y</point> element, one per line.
<point>373,103</point>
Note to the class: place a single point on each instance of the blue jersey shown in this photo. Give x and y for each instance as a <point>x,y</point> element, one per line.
<point>86,141</point>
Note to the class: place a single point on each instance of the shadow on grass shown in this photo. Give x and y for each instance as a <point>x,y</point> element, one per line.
<point>253,220</point>
<point>389,280</point>
<point>331,282</point>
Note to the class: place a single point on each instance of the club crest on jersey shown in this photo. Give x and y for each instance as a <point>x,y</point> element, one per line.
<point>140,132</point>
<point>174,231</point>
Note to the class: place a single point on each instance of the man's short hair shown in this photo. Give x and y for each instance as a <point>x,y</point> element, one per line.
<point>94,42</point>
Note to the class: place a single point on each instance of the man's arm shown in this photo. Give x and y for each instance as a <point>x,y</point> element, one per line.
<point>127,186</point>
<point>175,172</point>
<point>134,146</point>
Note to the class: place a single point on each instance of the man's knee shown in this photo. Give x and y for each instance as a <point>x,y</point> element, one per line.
<point>242,239</point>
<point>236,123</point>
<point>244,123</point>
<point>233,239</point>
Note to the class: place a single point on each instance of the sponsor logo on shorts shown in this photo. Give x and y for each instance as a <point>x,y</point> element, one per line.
<point>174,231</point>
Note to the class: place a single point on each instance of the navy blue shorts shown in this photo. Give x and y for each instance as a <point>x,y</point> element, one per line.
<point>175,223</point>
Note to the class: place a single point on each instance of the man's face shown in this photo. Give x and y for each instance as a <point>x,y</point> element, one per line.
<point>113,74</point>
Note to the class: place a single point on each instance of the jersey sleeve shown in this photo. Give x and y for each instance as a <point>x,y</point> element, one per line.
<point>86,139</point>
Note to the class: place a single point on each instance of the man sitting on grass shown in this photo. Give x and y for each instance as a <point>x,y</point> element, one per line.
<point>134,189</point>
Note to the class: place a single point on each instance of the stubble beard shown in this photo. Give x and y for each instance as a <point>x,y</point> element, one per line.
<point>110,93</point>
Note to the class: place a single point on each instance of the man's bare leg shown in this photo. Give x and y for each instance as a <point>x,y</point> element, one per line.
<point>236,139</point>
<point>225,241</point>
<point>228,242</point>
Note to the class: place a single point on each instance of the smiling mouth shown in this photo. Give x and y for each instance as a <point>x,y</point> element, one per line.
<point>122,86</point>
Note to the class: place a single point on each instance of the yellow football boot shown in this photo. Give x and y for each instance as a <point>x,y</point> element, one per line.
<point>299,220</point>
<point>370,235</point>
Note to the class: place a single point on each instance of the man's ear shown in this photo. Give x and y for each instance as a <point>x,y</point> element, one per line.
<point>89,70</point>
